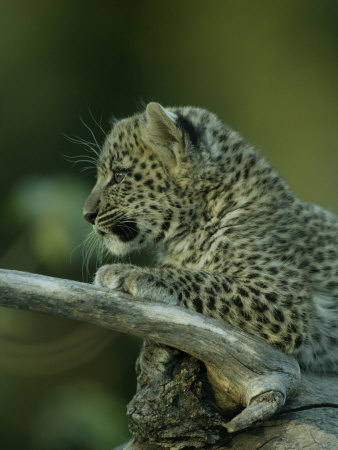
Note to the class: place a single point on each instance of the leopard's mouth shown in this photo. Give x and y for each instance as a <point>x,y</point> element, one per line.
<point>117,224</point>
<point>125,231</point>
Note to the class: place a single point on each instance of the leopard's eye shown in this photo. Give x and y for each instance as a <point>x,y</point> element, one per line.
<point>119,175</point>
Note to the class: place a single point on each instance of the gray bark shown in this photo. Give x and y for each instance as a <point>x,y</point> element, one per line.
<point>216,385</point>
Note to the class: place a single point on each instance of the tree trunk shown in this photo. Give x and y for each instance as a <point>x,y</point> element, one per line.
<point>216,387</point>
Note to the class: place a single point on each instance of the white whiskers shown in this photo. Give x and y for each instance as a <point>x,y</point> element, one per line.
<point>91,146</point>
<point>93,248</point>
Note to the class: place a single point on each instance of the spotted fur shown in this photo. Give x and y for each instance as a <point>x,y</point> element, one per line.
<point>233,242</point>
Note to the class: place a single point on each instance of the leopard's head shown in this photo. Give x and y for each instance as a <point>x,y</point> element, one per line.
<point>143,181</point>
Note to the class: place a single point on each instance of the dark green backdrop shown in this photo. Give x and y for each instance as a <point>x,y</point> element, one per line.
<point>268,68</point>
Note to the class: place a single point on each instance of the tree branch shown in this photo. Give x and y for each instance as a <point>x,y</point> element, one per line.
<point>243,370</point>
<point>250,380</point>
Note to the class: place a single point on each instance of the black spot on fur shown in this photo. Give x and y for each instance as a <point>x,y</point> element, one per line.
<point>225,310</point>
<point>298,342</point>
<point>271,297</point>
<point>238,302</point>
<point>198,305</point>
<point>211,303</point>
<point>278,315</point>
<point>243,292</point>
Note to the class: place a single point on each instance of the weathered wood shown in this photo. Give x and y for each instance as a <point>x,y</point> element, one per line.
<point>250,381</point>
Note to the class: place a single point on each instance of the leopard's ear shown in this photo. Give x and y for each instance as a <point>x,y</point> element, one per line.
<point>165,136</point>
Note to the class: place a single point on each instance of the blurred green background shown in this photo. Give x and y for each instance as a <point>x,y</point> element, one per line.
<point>268,68</point>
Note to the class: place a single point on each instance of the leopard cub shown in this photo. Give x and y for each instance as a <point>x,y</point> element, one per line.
<point>233,242</point>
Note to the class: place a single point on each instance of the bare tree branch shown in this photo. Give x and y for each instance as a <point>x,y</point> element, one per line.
<point>245,373</point>
<point>252,373</point>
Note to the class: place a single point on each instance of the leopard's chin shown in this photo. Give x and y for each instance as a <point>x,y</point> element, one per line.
<point>115,246</point>
<point>121,245</point>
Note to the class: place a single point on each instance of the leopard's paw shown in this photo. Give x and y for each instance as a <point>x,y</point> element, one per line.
<point>111,276</point>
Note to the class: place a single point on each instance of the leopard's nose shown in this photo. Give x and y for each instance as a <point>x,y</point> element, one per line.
<point>90,217</point>
<point>91,207</point>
